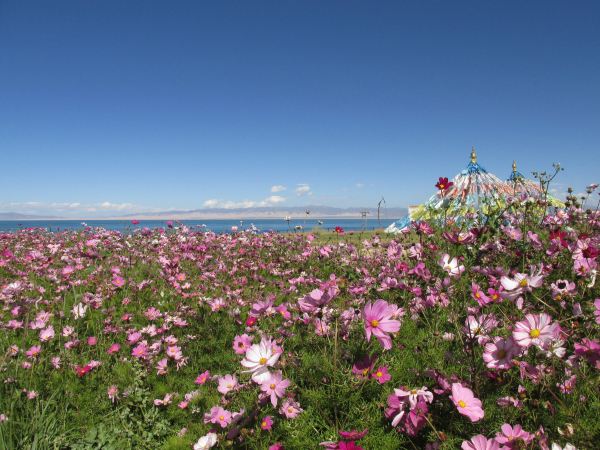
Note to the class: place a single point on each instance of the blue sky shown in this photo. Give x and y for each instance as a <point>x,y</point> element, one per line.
<point>116,106</point>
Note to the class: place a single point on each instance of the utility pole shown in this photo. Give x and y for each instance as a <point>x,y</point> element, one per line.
<point>379,208</point>
<point>364,214</point>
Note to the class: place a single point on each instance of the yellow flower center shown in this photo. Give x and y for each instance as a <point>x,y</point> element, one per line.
<point>413,391</point>
<point>534,333</point>
<point>494,296</point>
<point>374,323</point>
<point>262,360</point>
<point>221,417</point>
<point>264,424</point>
<point>523,282</point>
<point>365,371</point>
<point>478,295</point>
<point>379,374</point>
<point>461,403</point>
<point>272,386</point>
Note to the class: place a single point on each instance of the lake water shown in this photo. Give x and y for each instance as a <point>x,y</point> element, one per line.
<point>218,226</point>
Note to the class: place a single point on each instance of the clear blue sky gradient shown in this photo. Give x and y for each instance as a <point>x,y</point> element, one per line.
<point>169,104</point>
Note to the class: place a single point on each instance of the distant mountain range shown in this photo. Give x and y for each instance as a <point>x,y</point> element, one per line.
<point>267,212</point>
<point>19,216</point>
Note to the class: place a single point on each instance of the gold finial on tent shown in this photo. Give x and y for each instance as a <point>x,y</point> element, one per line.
<point>514,166</point>
<point>473,155</point>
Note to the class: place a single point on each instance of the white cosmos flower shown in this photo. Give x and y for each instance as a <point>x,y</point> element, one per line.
<point>79,310</point>
<point>258,358</point>
<point>206,442</point>
<point>414,394</point>
<point>451,265</point>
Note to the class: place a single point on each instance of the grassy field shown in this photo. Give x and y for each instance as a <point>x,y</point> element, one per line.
<point>115,341</point>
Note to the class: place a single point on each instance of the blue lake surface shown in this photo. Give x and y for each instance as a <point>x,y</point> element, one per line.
<point>218,226</point>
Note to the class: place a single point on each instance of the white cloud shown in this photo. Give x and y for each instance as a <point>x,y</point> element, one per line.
<point>278,188</point>
<point>303,189</point>
<point>243,204</point>
<point>116,206</point>
<point>274,199</point>
<point>360,185</point>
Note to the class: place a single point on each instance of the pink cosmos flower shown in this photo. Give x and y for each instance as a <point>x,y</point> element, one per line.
<point>363,366</point>
<point>67,270</point>
<point>118,281</point>
<point>562,288</point>
<point>350,445</point>
<point>241,343</point>
<point>290,409</point>
<point>480,442</point>
<point>275,386</point>
<point>266,424</point>
<point>112,392</point>
<point>378,321</point>
<point>140,351</point>
<point>513,437</point>
<point>478,295</point>
<point>202,378</point>
<point>81,371</point>
<point>227,383</point>
<point>218,415</point>
<point>166,400</point>
<point>466,403</point>
<point>536,329</point>
<point>353,435</point>
<point>46,334</point>
<point>33,351</point>
<point>259,357</point>
<point>381,375</point>
<point>498,353</point>
<point>114,348</point>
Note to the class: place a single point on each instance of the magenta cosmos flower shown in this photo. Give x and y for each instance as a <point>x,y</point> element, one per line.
<point>118,281</point>
<point>466,403</point>
<point>536,329</point>
<point>379,322</point>
<point>381,375</point>
<point>267,423</point>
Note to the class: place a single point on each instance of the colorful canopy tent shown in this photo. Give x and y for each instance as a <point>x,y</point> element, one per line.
<point>522,186</point>
<point>475,192</point>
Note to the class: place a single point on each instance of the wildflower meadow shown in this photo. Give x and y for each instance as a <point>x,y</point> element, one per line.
<point>480,335</point>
